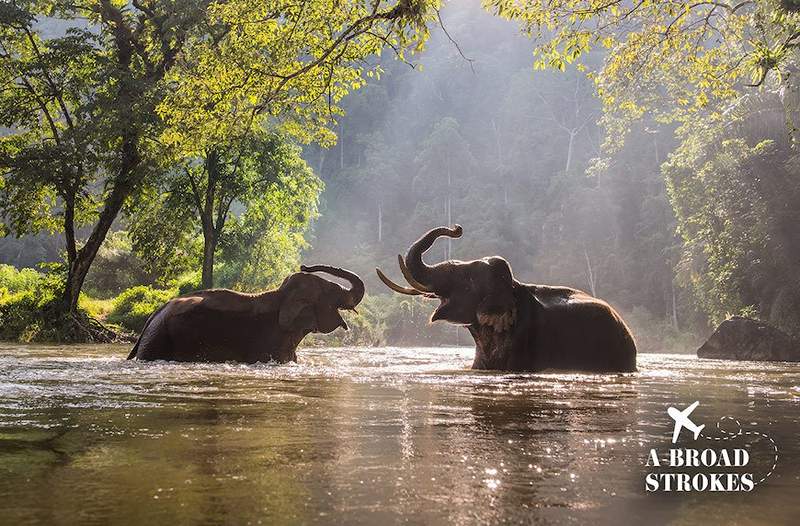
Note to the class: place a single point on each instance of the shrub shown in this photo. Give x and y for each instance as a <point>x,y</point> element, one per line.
<point>24,296</point>
<point>22,315</point>
<point>186,283</point>
<point>94,307</point>
<point>132,308</point>
<point>116,268</point>
<point>30,311</point>
<point>13,280</point>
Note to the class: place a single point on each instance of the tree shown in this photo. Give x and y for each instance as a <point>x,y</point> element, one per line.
<point>98,111</point>
<point>693,69</point>
<point>82,109</point>
<point>732,183</point>
<point>53,156</point>
<point>669,57</point>
<point>264,177</point>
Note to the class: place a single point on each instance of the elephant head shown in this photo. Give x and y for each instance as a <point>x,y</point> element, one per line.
<point>309,303</point>
<point>471,292</point>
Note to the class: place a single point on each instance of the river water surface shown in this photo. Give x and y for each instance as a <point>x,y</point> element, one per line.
<point>379,435</point>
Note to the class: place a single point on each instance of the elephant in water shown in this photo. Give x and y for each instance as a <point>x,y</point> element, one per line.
<point>517,326</point>
<point>220,325</point>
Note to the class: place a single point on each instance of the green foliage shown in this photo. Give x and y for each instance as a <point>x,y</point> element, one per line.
<point>185,283</point>
<point>162,233</point>
<point>733,185</point>
<point>251,202</point>
<point>13,281</point>
<point>128,92</point>
<point>30,309</point>
<point>674,59</point>
<point>95,308</point>
<point>116,268</point>
<point>133,307</point>
<point>50,102</point>
<point>22,315</point>
<point>264,241</point>
<point>292,62</point>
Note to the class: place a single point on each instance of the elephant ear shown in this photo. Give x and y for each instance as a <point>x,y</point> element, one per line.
<point>498,309</point>
<point>296,313</point>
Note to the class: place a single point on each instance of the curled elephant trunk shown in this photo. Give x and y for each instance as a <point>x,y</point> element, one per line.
<point>419,275</point>
<point>353,296</point>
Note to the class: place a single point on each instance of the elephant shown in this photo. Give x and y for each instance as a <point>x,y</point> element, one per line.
<point>220,325</point>
<point>518,326</point>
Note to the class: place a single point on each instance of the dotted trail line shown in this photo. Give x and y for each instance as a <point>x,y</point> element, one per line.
<point>739,432</point>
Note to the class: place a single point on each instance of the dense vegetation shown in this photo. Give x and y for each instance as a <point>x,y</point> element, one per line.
<point>110,102</point>
<point>645,154</point>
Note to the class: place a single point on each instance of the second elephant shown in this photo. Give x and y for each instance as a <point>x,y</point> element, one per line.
<point>518,326</point>
<point>221,325</point>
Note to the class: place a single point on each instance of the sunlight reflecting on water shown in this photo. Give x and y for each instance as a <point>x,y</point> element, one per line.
<point>367,435</point>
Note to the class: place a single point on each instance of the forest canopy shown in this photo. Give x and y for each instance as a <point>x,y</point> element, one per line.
<point>104,99</point>
<point>642,151</point>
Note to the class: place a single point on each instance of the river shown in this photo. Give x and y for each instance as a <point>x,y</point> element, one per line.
<point>376,436</point>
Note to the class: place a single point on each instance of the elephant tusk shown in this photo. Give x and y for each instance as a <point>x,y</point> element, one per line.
<point>411,281</point>
<point>395,287</point>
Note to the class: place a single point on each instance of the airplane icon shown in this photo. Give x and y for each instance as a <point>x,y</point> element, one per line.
<point>682,420</point>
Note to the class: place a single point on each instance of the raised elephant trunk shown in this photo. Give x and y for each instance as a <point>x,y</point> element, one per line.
<point>424,275</point>
<point>353,296</point>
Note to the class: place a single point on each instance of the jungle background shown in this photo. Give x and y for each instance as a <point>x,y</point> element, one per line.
<point>642,153</point>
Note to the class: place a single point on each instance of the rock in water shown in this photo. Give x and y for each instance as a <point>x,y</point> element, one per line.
<point>741,338</point>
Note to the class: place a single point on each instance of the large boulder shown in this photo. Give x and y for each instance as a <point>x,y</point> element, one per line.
<point>741,338</point>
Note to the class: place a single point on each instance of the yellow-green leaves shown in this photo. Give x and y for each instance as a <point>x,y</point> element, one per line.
<point>284,63</point>
<point>671,57</point>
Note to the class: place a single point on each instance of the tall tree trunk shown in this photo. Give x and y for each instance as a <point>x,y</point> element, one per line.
<point>83,259</point>
<point>209,247</point>
<point>69,228</point>
<point>207,219</point>
<point>674,307</point>
<point>79,268</point>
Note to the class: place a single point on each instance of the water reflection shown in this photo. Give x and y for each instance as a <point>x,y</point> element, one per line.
<point>364,436</point>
